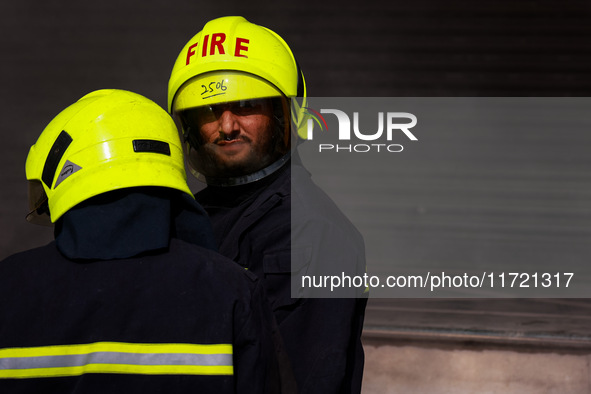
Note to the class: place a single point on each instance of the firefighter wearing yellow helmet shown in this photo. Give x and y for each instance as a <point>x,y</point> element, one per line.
<point>230,91</point>
<point>235,67</point>
<point>130,296</point>
<point>107,140</point>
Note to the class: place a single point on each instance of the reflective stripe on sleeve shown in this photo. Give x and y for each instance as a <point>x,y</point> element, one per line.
<point>116,357</point>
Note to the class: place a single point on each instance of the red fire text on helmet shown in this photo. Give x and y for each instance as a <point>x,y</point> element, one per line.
<point>216,45</point>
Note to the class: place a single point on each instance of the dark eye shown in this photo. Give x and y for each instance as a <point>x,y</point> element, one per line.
<point>248,107</point>
<point>247,104</point>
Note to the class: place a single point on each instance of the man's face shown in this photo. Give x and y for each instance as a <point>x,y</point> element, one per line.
<point>234,139</point>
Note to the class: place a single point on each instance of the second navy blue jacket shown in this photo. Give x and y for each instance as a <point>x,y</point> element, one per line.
<point>253,226</point>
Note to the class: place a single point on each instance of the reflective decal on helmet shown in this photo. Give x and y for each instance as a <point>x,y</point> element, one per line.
<point>68,169</point>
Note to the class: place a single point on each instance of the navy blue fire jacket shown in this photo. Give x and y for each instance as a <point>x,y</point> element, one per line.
<point>174,319</point>
<point>253,227</point>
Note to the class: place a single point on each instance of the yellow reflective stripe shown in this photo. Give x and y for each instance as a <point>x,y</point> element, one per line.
<point>118,347</point>
<point>118,369</point>
<point>116,357</point>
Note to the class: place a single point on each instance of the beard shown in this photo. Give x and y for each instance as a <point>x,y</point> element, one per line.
<point>209,160</point>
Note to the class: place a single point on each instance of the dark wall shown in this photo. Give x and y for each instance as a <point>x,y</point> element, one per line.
<point>55,52</point>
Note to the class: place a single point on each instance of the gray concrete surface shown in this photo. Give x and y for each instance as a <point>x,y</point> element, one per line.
<point>430,370</point>
<point>529,346</point>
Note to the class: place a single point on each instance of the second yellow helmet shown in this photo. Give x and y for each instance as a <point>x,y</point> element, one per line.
<point>107,140</point>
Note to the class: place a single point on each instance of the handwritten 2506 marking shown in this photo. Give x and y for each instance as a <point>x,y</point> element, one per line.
<point>214,87</point>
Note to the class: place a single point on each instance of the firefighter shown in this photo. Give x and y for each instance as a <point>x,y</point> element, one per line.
<point>231,91</point>
<point>130,297</point>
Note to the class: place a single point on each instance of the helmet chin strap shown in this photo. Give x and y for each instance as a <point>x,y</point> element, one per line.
<point>242,180</point>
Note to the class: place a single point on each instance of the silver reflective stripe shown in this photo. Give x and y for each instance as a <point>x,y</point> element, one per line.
<point>116,357</point>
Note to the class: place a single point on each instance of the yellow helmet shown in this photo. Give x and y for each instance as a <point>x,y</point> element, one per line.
<point>255,55</point>
<point>234,61</point>
<point>107,140</point>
